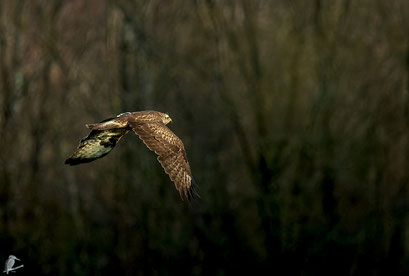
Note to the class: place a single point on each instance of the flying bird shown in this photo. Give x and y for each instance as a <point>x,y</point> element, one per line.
<point>151,128</point>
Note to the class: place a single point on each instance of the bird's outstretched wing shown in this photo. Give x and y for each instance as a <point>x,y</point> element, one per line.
<point>171,154</point>
<point>96,145</point>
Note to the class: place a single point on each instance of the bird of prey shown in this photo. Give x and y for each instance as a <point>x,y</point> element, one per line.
<point>151,128</point>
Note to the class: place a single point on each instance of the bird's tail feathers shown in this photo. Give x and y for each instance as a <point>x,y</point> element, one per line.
<point>93,126</point>
<point>106,125</point>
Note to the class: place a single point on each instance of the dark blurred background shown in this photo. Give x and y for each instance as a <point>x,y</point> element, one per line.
<point>294,114</point>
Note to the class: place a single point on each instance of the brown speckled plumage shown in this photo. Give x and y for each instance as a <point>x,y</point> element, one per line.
<point>151,128</point>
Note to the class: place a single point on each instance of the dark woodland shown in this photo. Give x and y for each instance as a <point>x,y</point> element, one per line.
<point>294,115</point>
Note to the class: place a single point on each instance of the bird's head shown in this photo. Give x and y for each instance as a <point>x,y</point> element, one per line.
<point>14,257</point>
<point>166,119</point>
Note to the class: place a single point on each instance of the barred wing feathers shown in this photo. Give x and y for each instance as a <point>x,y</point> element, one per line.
<point>171,154</point>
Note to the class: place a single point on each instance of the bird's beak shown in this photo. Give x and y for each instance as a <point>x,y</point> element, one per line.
<point>17,259</point>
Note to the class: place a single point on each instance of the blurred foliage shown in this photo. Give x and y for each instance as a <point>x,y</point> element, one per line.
<point>294,115</point>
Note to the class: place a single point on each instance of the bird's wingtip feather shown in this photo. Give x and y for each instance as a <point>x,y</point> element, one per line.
<point>191,193</point>
<point>70,161</point>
